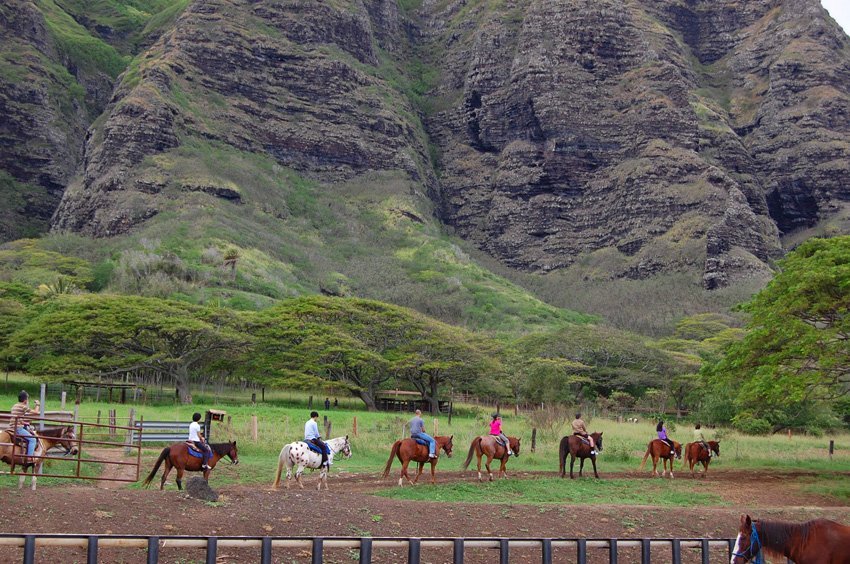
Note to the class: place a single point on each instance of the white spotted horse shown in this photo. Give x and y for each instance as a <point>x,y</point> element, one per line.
<point>301,455</point>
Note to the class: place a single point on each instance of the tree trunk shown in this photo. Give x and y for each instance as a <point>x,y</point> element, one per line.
<point>181,382</point>
<point>369,399</point>
<point>433,397</point>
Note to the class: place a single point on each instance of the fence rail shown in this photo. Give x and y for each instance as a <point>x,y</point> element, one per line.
<point>366,546</point>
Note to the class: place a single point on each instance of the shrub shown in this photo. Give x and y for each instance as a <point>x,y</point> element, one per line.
<point>751,425</point>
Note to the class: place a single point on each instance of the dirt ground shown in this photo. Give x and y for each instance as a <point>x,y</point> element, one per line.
<point>350,508</point>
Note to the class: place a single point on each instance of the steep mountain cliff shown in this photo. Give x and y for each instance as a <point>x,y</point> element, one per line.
<point>642,136</point>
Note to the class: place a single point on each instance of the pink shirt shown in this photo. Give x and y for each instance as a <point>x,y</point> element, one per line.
<point>496,427</point>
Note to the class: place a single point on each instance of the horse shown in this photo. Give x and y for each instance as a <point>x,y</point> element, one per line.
<point>177,456</point>
<point>659,449</point>
<point>491,448</point>
<point>408,449</point>
<point>299,454</point>
<point>578,448</point>
<point>820,541</point>
<point>697,453</point>
<point>15,455</point>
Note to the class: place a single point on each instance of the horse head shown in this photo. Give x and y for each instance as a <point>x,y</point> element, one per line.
<point>447,446</point>
<point>597,439</point>
<point>715,447</point>
<point>233,453</point>
<point>677,448</point>
<point>514,441</point>
<point>747,545</point>
<point>346,448</point>
<point>68,439</point>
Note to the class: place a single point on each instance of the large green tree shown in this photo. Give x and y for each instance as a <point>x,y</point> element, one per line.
<point>109,335</point>
<point>795,359</point>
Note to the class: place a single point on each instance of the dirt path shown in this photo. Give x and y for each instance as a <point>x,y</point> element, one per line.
<point>113,472</point>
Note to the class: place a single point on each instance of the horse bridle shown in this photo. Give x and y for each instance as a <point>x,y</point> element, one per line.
<point>750,554</point>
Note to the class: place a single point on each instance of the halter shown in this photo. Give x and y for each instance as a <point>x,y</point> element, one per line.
<point>755,555</point>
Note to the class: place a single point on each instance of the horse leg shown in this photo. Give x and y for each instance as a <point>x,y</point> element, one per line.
<point>288,476</point>
<point>480,455</point>
<point>404,474</point>
<point>36,470</point>
<point>572,463</point>
<point>655,465</point>
<point>581,467</point>
<point>323,476</point>
<point>593,460</point>
<point>487,465</point>
<point>433,471</point>
<point>298,473</point>
<point>503,472</point>
<point>419,472</point>
<point>165,471</point>
<point>179,479</point>
<point>671,468</point>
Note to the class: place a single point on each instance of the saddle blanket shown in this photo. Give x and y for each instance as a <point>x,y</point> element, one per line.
<point>194,451</point>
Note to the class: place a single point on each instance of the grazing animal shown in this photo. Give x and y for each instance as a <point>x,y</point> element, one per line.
<point>299,454</point>
<point>696,453</point>
<point>658,449</point>
<point>577,448</point>
<point>815,542</point>
<point>47,439</point>
<point>488,446</point>
<point>407,450</point>
<point>177,456</point>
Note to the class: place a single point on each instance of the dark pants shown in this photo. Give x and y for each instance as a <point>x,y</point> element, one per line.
<point>204,449</point>
<point>324,448</point>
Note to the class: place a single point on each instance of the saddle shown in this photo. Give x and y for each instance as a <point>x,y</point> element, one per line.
<point>193,451</point>
<point>499,440</point>
<point>316,449</point>
<point>583,439</point>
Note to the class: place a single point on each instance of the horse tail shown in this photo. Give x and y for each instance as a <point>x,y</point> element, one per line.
<point>281,460</point>
<point>645,456</point>
<point>166,452</point>
<point>393,454</point>
<point>475,443</point>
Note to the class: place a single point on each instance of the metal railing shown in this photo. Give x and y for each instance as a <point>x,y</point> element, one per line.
<point>263,547</point>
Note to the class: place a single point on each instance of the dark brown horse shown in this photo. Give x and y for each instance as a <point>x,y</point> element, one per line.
<point>177,456</point>
<point>491,448</point>
<point>407,450</point>
<point>658,449</point>
<point>697,453</point>
<point>578,448</point>
<point>815,542</point>
<point>47,439</point>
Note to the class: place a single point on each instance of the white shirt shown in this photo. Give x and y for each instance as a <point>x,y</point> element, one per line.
<point>194,429</point>
<point>311,430</point>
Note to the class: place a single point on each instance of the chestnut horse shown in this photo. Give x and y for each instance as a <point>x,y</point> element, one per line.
<point>407,450</point>
<point>177,456</point>
<point>815,542</point>
<point>659,449</point>
<point>697,453</point>
<point>47,439</point>
<point>578,448</point>
<point>488,446</point>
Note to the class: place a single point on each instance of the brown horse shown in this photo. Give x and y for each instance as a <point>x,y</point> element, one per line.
<point>407,450</point>
<point>815,542</point>
<point>578,448</point>
<point>177,456</point>
<point>491,448</point>
<point>697,453</point>
<point>47,439</point>
<point>659,449</point>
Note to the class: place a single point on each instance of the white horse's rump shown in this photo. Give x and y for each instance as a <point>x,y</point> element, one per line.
<point>299,454</point>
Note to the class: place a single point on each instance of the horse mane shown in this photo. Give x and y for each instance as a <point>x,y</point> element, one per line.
<point>775,535</point>
<point>53,432</point>
<point>221,448</point>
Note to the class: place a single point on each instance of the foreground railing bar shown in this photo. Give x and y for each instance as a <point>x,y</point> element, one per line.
<point>74,460</point>
<point>70,477</point>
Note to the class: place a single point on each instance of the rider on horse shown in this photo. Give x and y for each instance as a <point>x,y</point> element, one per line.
<point>496,431</point>
<point>662,435</point>
<point>580,429</point>
<point>196,437</point>
<point>20,424</point>
<point>311,435</point>
<point>699,437</point>
<point>417,431</point>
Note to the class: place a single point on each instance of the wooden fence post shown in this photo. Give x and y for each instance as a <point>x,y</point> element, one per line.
<point>42,401</point>
<point>98,417</point>
<point>831,449</point>
<point>534,439</point>
<point>354,427</point>
<point>62,404</point>
<point>328,430</point>
<point>254,430</point>
<point>435,427</point>
<point>131,420</point>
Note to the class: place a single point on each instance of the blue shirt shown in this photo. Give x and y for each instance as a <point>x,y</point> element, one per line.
<point>417,425</point>
<point>311,430</point>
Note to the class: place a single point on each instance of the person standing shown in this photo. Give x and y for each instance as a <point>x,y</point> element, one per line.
<point>311,435</point>
<point>196,437</point>
<point>20,423</point>
<point>417,431</point>
<point>580,429</point>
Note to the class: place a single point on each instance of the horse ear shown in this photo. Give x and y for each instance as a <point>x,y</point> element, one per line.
<point>601,433</point>
<point>346,437</point>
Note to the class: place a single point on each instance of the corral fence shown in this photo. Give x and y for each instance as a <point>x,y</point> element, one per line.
<point>262,548</point>
<point>94,435</point>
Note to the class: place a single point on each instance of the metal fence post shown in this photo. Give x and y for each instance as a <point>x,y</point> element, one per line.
<point>547,550</point>
<point>212,549</point>
<point>318,545</point>
<point>677,551</point>
<point>91,550</point>
<point>458,551</point>
<point>153,550</point>
<point>365,550</point>
<point>266,551</point>
<point>504,551</point>
<point>731,545</point>
<point>413,551</point>
<point>706,552</point>
<point>645,551</point>
<point>581,551</point>
<point>29,549</point>
<point>612,551</point>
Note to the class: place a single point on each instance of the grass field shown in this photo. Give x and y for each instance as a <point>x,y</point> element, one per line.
<point>281,420</point>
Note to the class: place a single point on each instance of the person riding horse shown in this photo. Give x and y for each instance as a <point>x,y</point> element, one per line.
<point>699,438</point>
<point>196,437</point>
<point>580,429</point>
<point>417,431</point>
<point>496,431</point>
<point>662,435</point>
<point>311,435</point>
<point>19,422</point>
